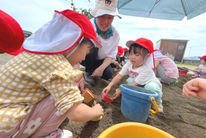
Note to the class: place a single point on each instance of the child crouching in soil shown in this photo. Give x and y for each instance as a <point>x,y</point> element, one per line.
<point>200,71</point>
<point>39,87</point>
<point>140,73</point>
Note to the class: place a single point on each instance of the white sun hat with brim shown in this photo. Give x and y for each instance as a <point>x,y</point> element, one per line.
<point>105,7</point>
<point>60,34</point>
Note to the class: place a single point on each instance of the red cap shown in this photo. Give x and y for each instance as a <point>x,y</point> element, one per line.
<point>11,34</point>
<point>146,43</point>
<point>120,50</point>
<point>125,49</point>
<point>203,57</point>
<point>83,22</point>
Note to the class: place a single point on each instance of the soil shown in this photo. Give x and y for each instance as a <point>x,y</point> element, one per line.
<point>182,117</point>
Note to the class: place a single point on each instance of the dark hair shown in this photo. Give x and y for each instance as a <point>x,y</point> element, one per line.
<point>203,59</point>
<point>86,41</point>
<point>138,49</point>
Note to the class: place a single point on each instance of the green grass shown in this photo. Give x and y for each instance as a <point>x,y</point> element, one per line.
<point>186,65</point>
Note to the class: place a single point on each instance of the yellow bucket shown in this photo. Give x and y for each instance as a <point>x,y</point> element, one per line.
<point>133,130</point>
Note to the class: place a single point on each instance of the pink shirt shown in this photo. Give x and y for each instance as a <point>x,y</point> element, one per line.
<point>170,67</point>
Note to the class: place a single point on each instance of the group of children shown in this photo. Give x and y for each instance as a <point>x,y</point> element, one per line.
<point>39,87</point>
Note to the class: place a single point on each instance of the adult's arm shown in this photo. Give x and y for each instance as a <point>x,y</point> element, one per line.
<point>99,71</point>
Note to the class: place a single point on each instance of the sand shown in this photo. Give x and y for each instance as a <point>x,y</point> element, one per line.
<point>183,117</point>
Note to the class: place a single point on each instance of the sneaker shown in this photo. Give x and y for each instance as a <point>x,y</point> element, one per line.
<point>88,78</point>
<point>160,108</point>
<point>58,133</point>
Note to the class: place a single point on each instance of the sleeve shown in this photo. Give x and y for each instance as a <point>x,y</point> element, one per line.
<point>124,70</point>
<point>145,76</point>
<point>62,85</point>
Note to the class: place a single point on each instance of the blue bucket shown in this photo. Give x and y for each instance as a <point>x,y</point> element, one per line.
<point>136,103</point>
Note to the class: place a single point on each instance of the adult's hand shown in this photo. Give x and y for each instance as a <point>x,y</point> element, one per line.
<point>98,72</point>
<point>196,88</point>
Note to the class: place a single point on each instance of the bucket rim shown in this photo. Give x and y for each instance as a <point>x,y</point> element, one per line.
<point>132,92</point>
<point>115,127</point>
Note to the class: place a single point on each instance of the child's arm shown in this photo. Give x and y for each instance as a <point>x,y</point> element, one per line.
<point>114,81</point>
<point>133,84</point>
<point>83,113</point>
<point>156,63</point>
<point>196,88</point>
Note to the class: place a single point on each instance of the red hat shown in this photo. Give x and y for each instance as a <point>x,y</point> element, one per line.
<point>125,49</point>
<point>203,57</point>
<point>120,50</point>
<point>60,34</point>
<point>146,43</point>
<point>11,34</point>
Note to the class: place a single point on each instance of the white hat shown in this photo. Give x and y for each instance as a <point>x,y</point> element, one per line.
<point>103,7</point>
<point>61,34</point>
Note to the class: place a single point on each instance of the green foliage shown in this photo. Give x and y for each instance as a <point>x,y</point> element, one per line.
<point>82,11</point>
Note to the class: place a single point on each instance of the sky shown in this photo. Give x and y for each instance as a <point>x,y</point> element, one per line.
<point>32,14</point>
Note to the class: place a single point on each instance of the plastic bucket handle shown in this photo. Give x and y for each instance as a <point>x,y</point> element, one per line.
<point>152,99</point>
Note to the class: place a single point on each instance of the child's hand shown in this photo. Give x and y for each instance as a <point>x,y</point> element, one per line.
<point>116,95</point>
<point>81,85</point>
<point>106,90</point>
<point>196,88</point>
<point>98,109</point>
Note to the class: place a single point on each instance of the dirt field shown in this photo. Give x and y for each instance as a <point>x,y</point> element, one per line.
<point>183,117</point>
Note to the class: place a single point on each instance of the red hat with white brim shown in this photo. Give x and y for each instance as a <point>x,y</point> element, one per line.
<point>146,43</point>
<point>60,34</point>
<point>11,34</point>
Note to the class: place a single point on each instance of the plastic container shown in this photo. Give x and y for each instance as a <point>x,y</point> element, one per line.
<point>106,98</point>
<point>136,103</point>
<point>182,72</point>
<point>133,130</point>
<point>88,96</point>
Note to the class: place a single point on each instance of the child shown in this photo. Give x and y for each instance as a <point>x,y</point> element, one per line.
<point>140,73</point>
<point>200,71</point>
<point>39,87</point>
<point>165,68</point>
<point>195,87</point>
<point>126,55</point>
<point>117,64</point>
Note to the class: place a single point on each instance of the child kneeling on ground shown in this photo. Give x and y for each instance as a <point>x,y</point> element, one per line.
<point>39,87</point>
<point>140,73</point>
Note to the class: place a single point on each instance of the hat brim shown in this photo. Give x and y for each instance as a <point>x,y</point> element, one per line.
<point>101,12</point>
<point>16,52</point>
<point>130,42</point>
<point>96,43</point>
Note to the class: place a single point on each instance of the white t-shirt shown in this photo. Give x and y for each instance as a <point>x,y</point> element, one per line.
<point>141,75</point>
<point>110,45</point>
<point>203,68</point>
